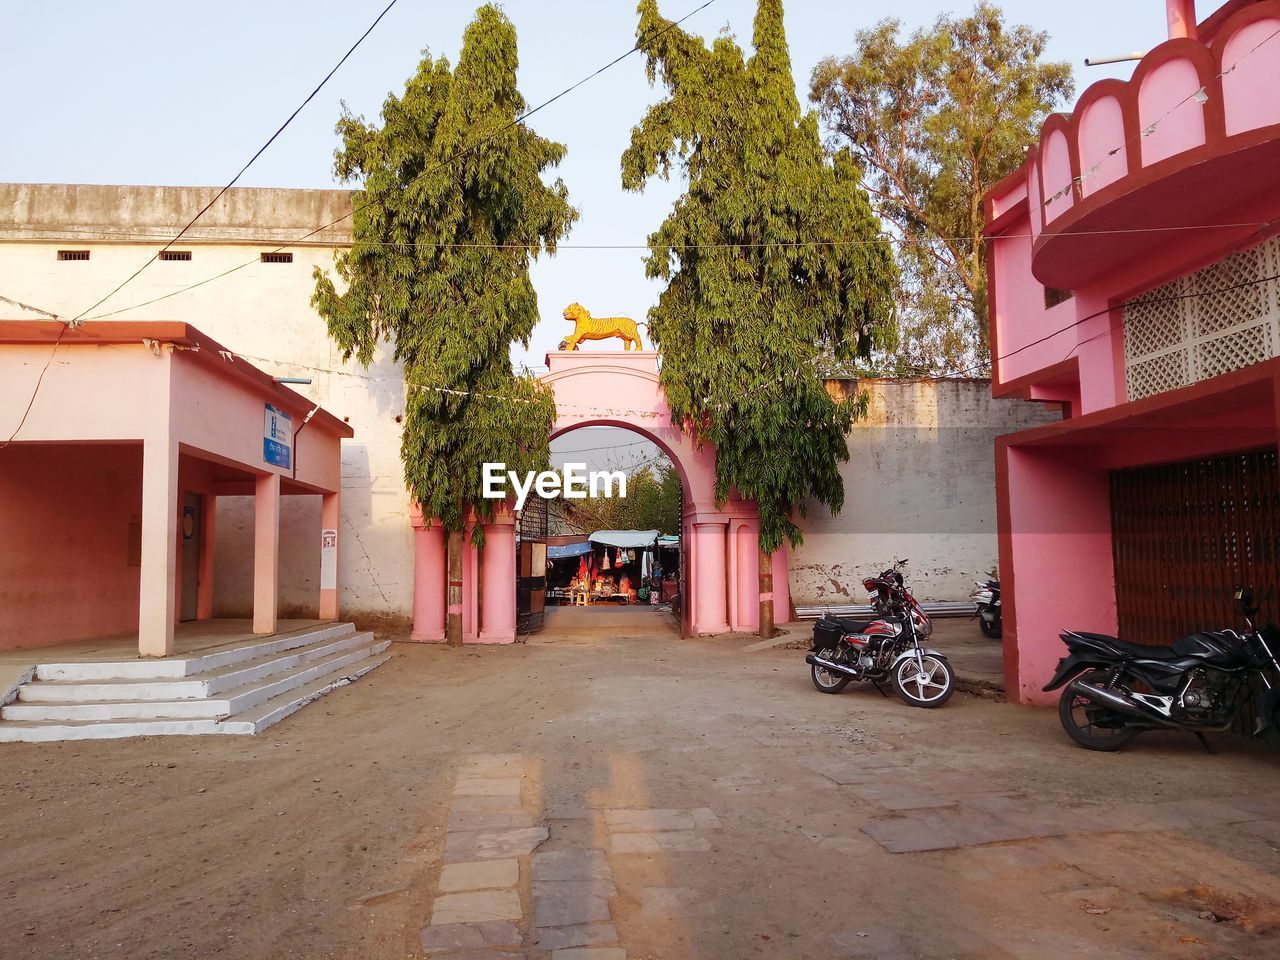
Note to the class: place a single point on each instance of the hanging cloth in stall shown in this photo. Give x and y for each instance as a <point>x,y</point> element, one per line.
<point>604,564</point>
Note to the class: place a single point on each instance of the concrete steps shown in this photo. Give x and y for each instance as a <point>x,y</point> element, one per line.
<point>242,690</point>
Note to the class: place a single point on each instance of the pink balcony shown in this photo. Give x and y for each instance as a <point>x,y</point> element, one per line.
<point>1192,139</point>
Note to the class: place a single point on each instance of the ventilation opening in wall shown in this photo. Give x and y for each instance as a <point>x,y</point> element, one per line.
<point>175,254</point>
<point>276,257</point>
<point>73,254</point>
<point>1053,296</point>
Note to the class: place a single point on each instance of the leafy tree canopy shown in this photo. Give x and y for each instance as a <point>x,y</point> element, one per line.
<point>935,120</point>
<point>652,503</point>
<point>753,302</point>
<point>453,210</point>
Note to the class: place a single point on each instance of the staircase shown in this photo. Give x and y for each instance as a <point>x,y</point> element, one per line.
<point>239,689</point>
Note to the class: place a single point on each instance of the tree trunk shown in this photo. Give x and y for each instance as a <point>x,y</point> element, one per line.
<point>453,613</point>
<point>766,595</point>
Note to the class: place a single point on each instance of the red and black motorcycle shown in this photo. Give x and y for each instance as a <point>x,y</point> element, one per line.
<point>886,648</point>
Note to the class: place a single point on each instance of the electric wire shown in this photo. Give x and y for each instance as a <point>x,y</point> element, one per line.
<point>783,244</point>
<point>232,182</point>
<point>465,150</point>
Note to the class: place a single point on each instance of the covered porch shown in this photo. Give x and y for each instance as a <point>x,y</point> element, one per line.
<point>110,480</point>
<point>1140,520</point>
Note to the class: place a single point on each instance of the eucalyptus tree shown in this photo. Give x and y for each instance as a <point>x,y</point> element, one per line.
<point>452,209</point>
<point>936,119</point>
<point>774,266</point>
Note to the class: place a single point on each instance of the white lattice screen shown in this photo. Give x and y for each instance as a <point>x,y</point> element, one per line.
<point>1210,322</point>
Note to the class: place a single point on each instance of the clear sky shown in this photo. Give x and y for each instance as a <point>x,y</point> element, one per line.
<point>184,93</point>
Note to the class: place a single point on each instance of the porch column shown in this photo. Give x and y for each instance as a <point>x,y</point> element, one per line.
<point>266,552</point>
<point>708,578</point>
<point>498,615</point>
<point>470,585</point>
<point>330,513</point>
<point>429,580</point>
<point>208,530</point>
<point>157,605</point>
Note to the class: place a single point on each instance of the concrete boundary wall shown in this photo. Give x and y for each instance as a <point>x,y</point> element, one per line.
<point>920,484</point>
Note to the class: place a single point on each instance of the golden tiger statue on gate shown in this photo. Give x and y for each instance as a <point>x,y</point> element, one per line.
<point>587,327</point>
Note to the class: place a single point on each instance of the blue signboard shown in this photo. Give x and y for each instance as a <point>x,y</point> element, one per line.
<point>277,438</point>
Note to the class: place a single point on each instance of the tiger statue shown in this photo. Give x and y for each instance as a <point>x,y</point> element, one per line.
<point>587,327</point>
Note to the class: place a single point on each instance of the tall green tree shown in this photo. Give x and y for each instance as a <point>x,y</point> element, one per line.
<point>773,262</point>
<point>936,120</point>
<point>452,211</point>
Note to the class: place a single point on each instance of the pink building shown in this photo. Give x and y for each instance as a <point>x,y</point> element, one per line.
<point>1133,274</point>
<point>116,439</point>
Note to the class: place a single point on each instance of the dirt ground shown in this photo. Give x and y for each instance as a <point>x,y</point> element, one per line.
<point>324,836</point>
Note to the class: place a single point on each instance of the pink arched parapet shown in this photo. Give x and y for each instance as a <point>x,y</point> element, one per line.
<point>1169,115</point>
<point>1056,161</point>
<point>1104,154</point>
<point>1034,198</point>
<point>1251,82</point>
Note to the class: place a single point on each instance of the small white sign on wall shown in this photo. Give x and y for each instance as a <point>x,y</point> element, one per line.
<point>328,559</point>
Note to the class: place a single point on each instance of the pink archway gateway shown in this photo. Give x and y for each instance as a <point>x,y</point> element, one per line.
<point>721,542</point>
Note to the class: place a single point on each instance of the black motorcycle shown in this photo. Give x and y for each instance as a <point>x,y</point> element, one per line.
<point>986,602</point>
<point>1114,690</point>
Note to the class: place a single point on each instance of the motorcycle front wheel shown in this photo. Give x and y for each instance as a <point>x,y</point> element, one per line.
<point>1091,726</point>
<point>826,681</point>
<point>989,629</point>
<point>928,686</point>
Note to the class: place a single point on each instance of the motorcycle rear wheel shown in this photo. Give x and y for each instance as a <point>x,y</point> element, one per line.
<point>1079,718</point>
<point>992,630</point>
<point>826,681</point>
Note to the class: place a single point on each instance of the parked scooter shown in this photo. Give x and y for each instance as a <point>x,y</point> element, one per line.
<point>887,648</point>
<point>1114,690</point>
<point>986,602</point>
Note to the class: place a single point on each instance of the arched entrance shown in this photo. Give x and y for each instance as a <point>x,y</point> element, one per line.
<point>721,557</point>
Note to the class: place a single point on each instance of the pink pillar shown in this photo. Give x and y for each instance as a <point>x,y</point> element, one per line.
<point>266,552</point>
<point>209,524</point>
<point>330,515</point>
<point>709,578</point>
<point>430,571</point>
<point>157,602</point>
<point>1182,19</point>
<point>1055,530</point>
<point>781,586</point>
<point>498,616</point>
<point>470,581</point>
<point>744,575</point>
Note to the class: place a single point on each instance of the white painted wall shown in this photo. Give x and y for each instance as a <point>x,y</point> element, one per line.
<point>919,484</point>
<point>262,311</point>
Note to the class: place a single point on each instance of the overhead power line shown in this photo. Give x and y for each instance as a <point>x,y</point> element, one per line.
<point>72,233</point>
<point>232,182</point>
<point>356,208</point>
<point>1143,298</point>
